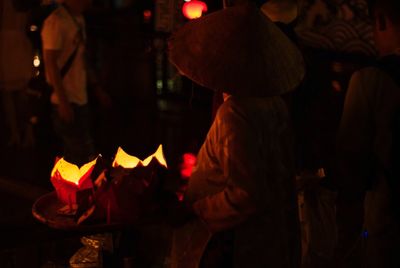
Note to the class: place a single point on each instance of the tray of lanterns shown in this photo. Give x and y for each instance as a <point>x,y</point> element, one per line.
<point>95,197</point>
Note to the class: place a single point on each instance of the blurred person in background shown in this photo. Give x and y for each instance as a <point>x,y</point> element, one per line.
<point>316,202</point>
<point>368,216</point>
<point>63,38</point>
<point>15,71</point>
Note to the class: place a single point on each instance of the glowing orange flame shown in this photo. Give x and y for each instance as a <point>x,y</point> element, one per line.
<point>72,173</point>
<point>128,161</point>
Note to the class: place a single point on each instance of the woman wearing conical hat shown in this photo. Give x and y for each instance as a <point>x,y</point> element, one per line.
<point>242,188</point>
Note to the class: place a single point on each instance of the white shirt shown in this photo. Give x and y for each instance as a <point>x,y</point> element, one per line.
<point>61,32</point>
<point>244,179</point>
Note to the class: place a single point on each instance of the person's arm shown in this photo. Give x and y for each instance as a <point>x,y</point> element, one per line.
<point>226,209</point>
<point>52,41</point>
<point>94,85</point>
<point>54,75</point>
<point>236,153</point>
<point>97,89</point>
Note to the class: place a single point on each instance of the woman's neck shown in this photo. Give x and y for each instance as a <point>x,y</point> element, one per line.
<point>72,9</point>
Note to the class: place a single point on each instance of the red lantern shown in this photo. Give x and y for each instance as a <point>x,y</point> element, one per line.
<point>147,15</point>
<point>189,161</point>
<point>194,9</point>
<point>68,179</point>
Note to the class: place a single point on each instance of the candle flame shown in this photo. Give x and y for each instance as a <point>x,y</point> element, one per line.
<point>71,172</point>
<point>128,161</point>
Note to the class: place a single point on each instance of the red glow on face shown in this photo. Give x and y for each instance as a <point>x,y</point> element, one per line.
<point>189,161</point>
<point>194,9</point>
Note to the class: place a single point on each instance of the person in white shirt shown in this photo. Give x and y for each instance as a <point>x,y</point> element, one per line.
<point>63,37</point>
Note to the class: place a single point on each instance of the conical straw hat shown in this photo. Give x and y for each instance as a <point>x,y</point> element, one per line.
<point>284,11</point>
<point>237,50</point>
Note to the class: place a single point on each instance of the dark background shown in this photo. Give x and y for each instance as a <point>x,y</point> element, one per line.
<point>152,105</point>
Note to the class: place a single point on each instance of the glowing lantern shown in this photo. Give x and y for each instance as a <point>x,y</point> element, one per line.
<point>189,161</point>
<point>132,186</point>
<point>68,179</point>
<point>125,160</point>
<point>147,14</point>
<point>194,9</point>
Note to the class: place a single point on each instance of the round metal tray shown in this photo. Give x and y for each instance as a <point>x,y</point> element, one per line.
<point>45,210</point>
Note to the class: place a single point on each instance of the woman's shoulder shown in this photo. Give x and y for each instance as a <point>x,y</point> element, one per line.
<point>230,106</point>
<point>58,16</point>
<point>248,107</point>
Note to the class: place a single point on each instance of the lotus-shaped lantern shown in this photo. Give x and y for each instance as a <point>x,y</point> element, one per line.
<point>130,187</point>
<point>68,180</point>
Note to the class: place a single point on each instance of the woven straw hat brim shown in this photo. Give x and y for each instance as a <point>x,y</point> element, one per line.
<point>284,11</point>
<point>237,50</point>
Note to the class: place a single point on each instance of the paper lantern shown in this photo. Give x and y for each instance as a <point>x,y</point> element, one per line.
<point>128,161</point>
<point>68,179</point>
<point>188,162</point>
<point>194,9</point>
<point>130,189</point>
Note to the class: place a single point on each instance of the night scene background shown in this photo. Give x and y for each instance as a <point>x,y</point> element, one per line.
<point>152,104</point>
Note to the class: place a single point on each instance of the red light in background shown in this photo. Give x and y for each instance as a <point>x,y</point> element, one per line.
<point>189,161</point>
<point>147,14</point>
<point>336,86</point>
<point>180,196</point>
<point>194,9</point>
